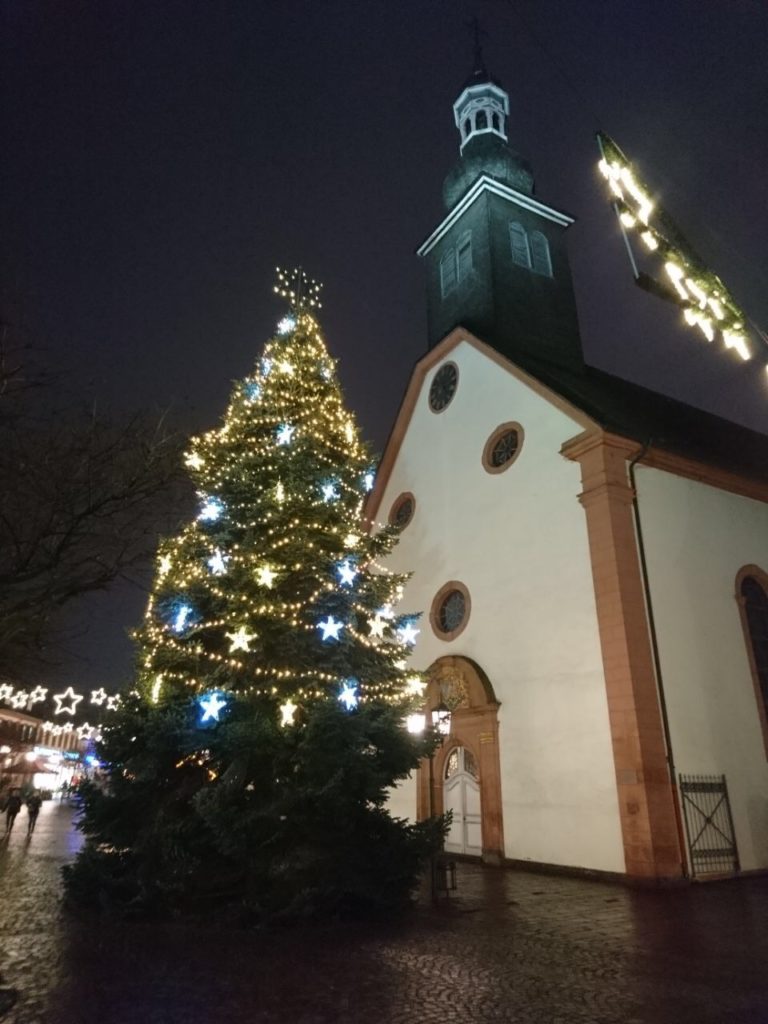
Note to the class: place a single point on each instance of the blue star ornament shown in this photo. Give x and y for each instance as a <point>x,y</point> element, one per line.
<point>211,704</point>
<point>348,695</point>
<point>408,634</point>
<point>331,628</point>
<point>285,433</point>
<point>347,572</point>
<point>211,510</point>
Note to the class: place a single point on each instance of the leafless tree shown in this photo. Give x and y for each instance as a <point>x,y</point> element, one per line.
<point>81,499</point>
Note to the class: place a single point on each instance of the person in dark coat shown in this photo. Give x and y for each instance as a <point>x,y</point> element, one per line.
<point>34,803</point>
<point>12,808</point>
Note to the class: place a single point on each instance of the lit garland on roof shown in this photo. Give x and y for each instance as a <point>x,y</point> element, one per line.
<point>705,300</point>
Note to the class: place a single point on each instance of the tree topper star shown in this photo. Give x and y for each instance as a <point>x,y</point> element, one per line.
<point>240,640</point>
<point>68,695</point>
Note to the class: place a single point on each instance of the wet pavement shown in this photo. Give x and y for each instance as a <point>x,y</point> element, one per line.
<point>509,947</point>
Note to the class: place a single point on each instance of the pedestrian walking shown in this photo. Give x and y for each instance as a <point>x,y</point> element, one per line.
<point>34,803</point>
<point>12,808</point>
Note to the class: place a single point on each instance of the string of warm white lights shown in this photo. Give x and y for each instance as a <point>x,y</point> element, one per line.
<point>276,588</point>
<point>705,300</point>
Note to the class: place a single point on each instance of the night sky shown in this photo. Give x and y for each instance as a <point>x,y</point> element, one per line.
<point>159,158</point>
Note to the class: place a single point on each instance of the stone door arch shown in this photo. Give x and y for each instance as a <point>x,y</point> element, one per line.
<point>464,687</point>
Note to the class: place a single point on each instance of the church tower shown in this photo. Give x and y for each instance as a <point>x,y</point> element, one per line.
<point>497,263</point>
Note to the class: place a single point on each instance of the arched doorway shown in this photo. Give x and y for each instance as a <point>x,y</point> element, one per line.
<point>463,686</point>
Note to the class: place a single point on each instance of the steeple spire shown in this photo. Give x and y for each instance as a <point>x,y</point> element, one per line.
<point>483,106</point>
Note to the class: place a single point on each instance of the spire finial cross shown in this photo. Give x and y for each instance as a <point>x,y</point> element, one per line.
<point>478,35</point>
<point>301,291</point>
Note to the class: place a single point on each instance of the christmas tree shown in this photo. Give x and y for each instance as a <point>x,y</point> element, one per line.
<point>250,764</point>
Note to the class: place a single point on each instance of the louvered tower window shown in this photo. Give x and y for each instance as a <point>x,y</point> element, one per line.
<point>540,258</point>
<point>518,239</point>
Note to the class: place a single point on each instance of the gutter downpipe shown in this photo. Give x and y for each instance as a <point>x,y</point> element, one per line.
<point>655,653</point>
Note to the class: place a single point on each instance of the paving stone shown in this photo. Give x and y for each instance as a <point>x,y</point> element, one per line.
<point>508,948</point>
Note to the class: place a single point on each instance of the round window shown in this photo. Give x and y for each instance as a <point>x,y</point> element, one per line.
<point>502,447</point>
<point>402,511</point>
<point>450,610</point>
<point>443,387</point>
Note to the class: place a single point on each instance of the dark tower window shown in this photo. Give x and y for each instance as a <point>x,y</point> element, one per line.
<point>540,258</point>
<point>467,127</point>
<point>481,121</point>
<point>464,252</point>
<point>496,122</point>
<point>448,272</point>
<point>518,240</point>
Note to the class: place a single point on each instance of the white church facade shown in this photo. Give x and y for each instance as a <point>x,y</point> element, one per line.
<point>592,558</point>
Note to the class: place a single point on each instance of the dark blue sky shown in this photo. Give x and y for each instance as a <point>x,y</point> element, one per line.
<point>159,158</point>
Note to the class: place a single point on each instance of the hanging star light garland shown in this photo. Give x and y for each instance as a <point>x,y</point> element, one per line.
<point>705,300</point>
<point>69,696</point>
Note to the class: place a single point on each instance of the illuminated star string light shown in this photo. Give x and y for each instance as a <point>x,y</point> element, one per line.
<point>285,434</point>
<point>331,628</point>
<point>348,696</point>
<point>240,640</point>
<point>211,510</point>
<point>211,705</point>
<point>217,563</point>
<point>287,711</point>
<point>66,702</point>
<point>347,572</point>
<point>705,300</point>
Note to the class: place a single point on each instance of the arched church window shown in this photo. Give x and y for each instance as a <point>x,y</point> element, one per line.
<point>481,121</point>
<point>540,258</point>
<point>464,253</point>
<point>518,240</point>
<point>447,272</point>
<point>752,592</point>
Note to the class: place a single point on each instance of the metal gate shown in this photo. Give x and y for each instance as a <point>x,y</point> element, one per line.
<point>709,824</point>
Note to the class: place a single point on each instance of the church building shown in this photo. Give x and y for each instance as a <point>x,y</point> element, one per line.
<point>591,558</point>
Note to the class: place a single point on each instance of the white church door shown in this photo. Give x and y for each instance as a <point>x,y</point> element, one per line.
<point>461,795</point>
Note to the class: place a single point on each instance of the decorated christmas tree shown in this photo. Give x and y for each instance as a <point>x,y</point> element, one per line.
<point>250,764</point>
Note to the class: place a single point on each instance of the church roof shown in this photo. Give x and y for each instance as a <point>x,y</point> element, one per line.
<point>644,415</point>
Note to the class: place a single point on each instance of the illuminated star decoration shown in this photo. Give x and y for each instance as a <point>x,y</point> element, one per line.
<point>211,510</point>
<point>368,480</point>
<point>331,628</point>
<point>182,617</point>
<point>265,576</point>
<point>266,366</point>
<point>386,612</point>
<point>416,686</point>
<point>347,572</point>
<point>6,691</point>
<point>253,391</point>
<point>98,696</point>
<point>20,698</point>
<point>329,492</point>
<point>240,641</point>
<point>113,702</point>
<point>193,460</point>
<point>377,626</point>
<point>217,563</point>
<point>408,634</point>
<point>286,325</point>
<point>285,434</point>
<point>286,368</point>
<point>67,727</point>
<point>287,711</point>
<point>211,704</point>
<point>39,693</point>
<point>68,695</point>
<point>83,731</point>
<point>164,566</point>
<point>301,292</point>
<point>348,695</point>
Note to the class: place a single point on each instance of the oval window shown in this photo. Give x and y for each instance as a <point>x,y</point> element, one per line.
<point>450,610</point>
<point>443,387</point>
<point>502,447</point>
<point>402,510</point>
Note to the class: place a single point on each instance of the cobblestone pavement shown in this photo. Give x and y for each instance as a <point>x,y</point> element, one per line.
<point>509,947</point>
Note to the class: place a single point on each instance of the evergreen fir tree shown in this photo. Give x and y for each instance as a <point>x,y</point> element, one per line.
<point>250,764</point>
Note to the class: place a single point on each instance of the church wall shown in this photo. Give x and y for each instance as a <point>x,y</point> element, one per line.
<point>697,537</point>
<point>518,541</point>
